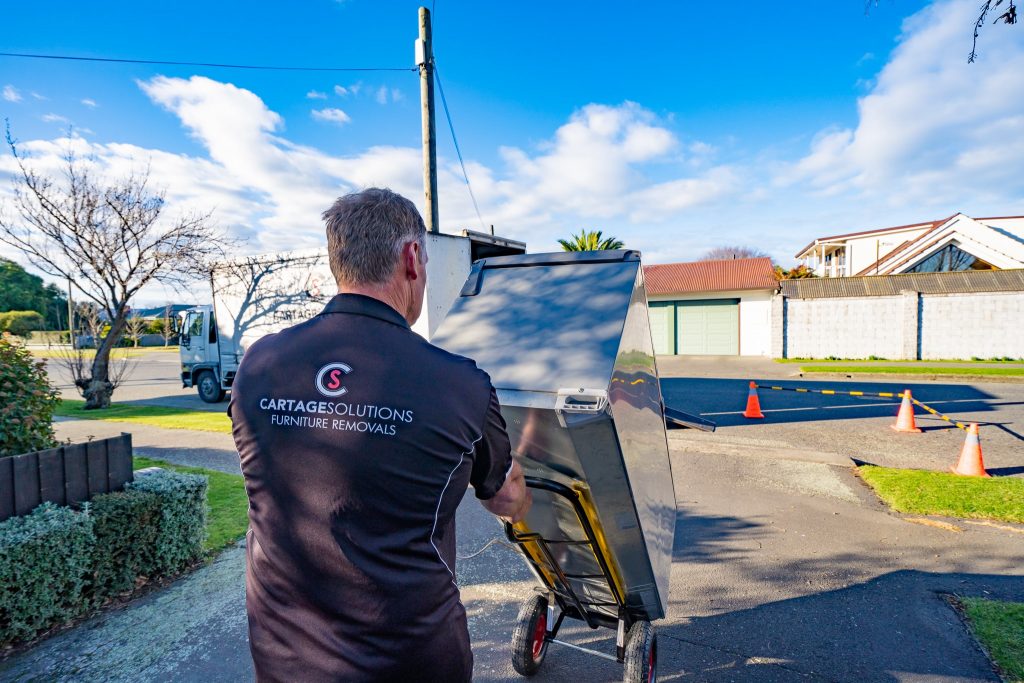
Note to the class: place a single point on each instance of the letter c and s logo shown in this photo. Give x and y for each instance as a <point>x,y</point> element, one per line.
<point>328,379</point>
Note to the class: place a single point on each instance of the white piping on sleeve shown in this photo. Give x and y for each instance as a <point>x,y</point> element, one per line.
<point>440,500</point>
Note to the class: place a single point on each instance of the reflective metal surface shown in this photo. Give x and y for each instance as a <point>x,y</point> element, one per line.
<point>567,342</point>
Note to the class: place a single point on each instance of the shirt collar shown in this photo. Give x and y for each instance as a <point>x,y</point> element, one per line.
<point>359,304</point>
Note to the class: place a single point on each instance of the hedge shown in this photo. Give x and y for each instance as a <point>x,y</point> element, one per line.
<point>181,528</point>
<point>126,524</point>
<point>57,562</point>
<point>44,569</point>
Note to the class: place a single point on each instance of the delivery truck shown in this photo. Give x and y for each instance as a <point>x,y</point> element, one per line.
<point>253,296</point>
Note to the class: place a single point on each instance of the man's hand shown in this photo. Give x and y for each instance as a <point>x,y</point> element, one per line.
<point>513,499</point>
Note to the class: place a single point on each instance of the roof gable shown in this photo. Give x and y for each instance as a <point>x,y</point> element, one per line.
<point>710,276</point>
<point>993,245</point>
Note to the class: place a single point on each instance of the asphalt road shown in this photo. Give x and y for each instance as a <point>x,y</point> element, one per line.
<point>782,570</point>
<point>848,426</point>
<point>784,567</point>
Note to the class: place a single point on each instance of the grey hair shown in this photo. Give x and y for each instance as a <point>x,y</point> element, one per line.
<point>366,232</point>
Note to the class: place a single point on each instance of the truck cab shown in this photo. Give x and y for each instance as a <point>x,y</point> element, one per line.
<point>200,354</point>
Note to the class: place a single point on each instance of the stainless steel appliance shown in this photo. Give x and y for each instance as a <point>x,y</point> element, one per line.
<point>566,340</point>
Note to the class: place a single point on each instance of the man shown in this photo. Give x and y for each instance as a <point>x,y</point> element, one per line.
<point>357,441</point>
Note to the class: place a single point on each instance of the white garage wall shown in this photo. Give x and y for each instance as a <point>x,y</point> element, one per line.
<point>755,316</point>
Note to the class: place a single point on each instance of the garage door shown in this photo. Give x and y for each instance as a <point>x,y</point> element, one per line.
<point>663,327</point>
<point>709,327</point>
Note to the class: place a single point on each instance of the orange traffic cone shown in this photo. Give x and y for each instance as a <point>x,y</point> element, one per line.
<point>753,403</point>
<point>905,418</point>
<point>971,463</point>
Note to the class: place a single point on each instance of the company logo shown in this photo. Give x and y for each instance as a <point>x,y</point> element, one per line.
<point>328,379</point>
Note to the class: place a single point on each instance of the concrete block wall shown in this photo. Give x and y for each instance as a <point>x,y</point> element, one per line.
<point>964,325</point>
<point>908,326</point>
<point>844,327</point>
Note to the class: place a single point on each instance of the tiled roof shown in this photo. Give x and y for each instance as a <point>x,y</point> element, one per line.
<point>965,281</point>
<point>710,276</point>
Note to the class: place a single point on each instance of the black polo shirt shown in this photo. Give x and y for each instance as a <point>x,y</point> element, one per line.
<point>358,439</point>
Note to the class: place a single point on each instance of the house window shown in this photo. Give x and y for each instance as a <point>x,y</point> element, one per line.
<point>948,259</point>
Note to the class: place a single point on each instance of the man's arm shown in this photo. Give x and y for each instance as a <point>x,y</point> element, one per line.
<point>513,499</point>
<point>497,477</point>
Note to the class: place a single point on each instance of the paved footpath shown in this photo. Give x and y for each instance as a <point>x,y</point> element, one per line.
<point>784,570</point>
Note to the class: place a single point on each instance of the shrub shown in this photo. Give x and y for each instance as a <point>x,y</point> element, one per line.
<point>27,402</point>
<point>126,525</point>
<point>45,563</point>
<point>56,563</point>
<point>182,523</point>
<point>21,323</point>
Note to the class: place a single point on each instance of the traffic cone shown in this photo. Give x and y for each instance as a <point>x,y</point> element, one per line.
<point>753,403</point>
<point>971,463</point>
<point>905,418</point>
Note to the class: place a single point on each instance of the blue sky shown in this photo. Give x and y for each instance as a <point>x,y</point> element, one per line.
<point>676,126</point>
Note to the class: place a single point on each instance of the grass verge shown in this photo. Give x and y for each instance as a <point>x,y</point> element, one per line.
<point>982,361</point>
<point>229,506</point>
<point>156,416</point>
<point>118,353</point>
<point>982,371</point>
<point>938,493</point>
<point>1000,628</point>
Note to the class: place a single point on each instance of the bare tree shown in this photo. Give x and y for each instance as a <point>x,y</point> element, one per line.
<point>110,239</point>
<point>1007,17</point>
<point>168,326</point>
<point>135,327</point>
<point>77,360</point>
<point>726,253</point>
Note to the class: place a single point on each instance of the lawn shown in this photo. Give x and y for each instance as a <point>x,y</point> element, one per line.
<point>938,493</point>
<point>229,506</point>
<point>156,416</point>
<point>1000,628</point>
<point>982,371</point>
<point>118,353</point>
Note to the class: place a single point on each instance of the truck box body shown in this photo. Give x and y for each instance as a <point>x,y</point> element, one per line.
<point>258,295</point>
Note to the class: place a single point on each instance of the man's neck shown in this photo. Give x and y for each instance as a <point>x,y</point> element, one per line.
<point>386,294</point>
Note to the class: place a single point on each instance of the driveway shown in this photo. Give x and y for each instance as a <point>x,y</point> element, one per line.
<point>783,570</point>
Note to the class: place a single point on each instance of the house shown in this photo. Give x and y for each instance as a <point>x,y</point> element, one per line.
<point>711,307</point>
<point>952,244</point>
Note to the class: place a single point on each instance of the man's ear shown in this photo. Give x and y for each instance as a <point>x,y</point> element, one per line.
<point>410,258</point>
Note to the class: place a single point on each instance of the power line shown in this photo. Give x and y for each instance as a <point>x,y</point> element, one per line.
<point>255,67</point>
<point>451,127</point>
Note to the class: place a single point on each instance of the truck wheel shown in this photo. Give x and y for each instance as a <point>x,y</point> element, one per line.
<point>641,654</point>
<point>209,388</point>
<point>529,639</point>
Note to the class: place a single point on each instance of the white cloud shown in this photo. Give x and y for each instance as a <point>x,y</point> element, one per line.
<point>396,95</point>
<point>933,131</point>
<point>38,96</point>
<point>90,103</point>
<point>331,115</point>
<point>341,91</point>
<point>381,95</point>
<point>316,95</point>
<point>11,94</point>
<point>54,118</point>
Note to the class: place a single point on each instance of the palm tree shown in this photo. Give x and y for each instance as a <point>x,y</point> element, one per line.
<point>590,240</point>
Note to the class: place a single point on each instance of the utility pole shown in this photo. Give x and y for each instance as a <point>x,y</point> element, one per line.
<point>71,317</point>
<point>425,62</point>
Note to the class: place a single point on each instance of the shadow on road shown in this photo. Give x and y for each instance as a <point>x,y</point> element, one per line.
<point>723,400</point>
<point>898,626</point>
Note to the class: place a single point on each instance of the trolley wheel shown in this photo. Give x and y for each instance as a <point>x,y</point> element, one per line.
<point>641,654</point>
<point>209,388</point>
<point>529,639</point>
